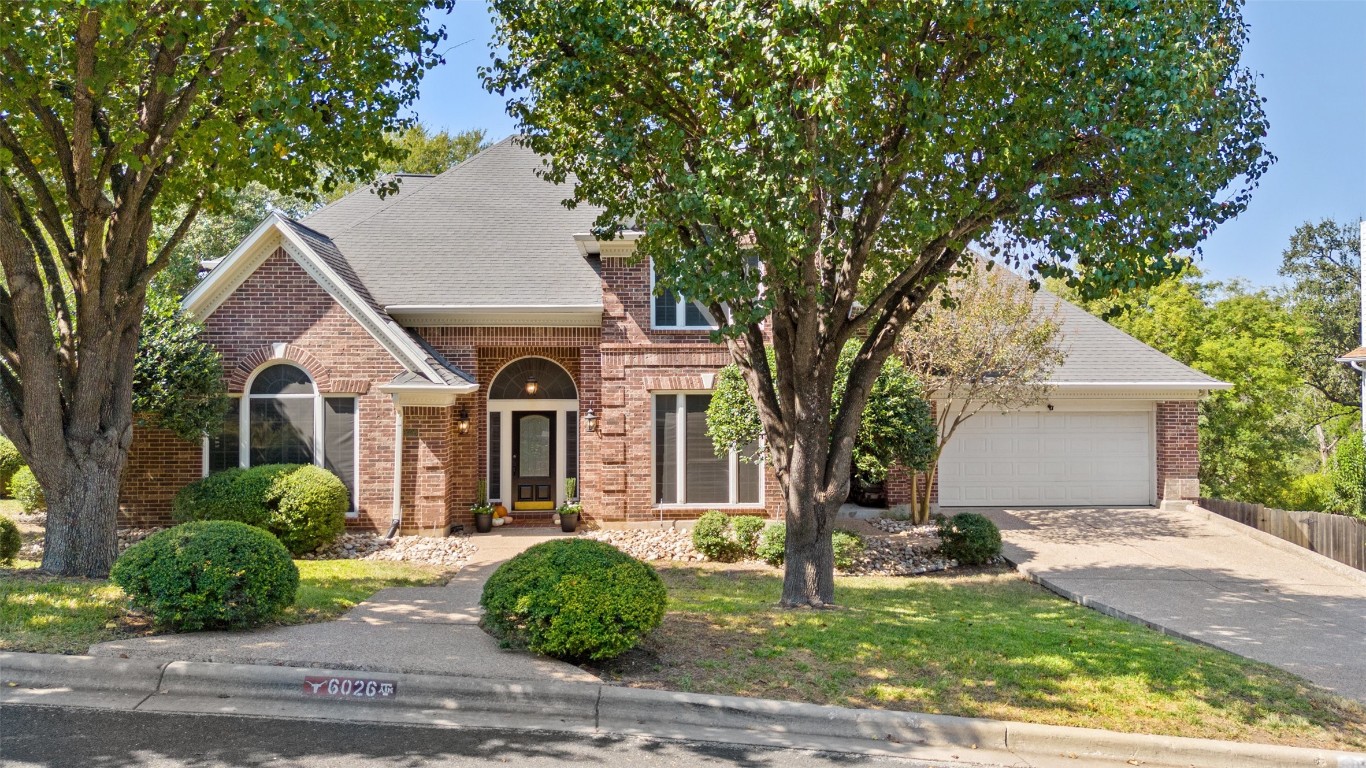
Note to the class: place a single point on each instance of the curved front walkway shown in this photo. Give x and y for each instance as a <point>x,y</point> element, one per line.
<point>403,629</point>
<point>1204,578</point>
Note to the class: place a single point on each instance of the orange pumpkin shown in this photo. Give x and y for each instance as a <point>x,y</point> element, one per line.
<point>500,511</point>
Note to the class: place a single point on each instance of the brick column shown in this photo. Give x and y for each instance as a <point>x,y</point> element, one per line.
<point>426,455</point>
<point>1178,451</point>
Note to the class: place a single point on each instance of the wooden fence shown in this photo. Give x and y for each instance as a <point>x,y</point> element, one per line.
<point>1340,537</point>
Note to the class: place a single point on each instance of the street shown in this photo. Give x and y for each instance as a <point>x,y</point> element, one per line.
<point>59,737</point>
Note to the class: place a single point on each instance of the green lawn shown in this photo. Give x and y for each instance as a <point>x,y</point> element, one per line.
<point>988,645</point>
<point>57,615</point>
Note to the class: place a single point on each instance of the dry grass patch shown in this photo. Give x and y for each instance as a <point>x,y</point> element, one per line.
<point>981,645</point>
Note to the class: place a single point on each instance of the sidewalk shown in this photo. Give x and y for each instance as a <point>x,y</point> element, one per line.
<point>406,629</point>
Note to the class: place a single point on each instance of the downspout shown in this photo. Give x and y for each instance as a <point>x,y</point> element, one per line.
<point>396,516</point>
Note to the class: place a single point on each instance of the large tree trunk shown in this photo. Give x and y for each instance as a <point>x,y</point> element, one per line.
<point>82,509</point>
<point>809,573</point>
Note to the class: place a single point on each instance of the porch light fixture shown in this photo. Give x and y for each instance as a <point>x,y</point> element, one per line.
<point>531,385</point>
<point>463,423</point>
<point>590,421</point>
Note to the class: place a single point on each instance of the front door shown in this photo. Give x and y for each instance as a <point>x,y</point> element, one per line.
<point>533,460</point>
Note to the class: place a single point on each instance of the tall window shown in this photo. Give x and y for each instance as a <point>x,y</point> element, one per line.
<point>686,467</point>
<point>282,419</point>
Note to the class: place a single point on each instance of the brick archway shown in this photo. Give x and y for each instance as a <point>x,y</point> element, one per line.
<point>299,356</point>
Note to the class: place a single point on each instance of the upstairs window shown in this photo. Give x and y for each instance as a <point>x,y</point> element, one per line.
<point>669,311</point>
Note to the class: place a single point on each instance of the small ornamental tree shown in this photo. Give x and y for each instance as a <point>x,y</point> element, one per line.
<point>112,117</point>
<point>984,346</point>
<point>809,172</point>
<point>177,376</point>
<point>896,426</point>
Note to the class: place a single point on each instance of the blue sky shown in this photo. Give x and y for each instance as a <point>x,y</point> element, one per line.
<point>1312,58</point>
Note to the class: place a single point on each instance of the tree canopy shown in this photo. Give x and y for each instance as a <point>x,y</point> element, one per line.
<point>810,171</point>
<point>115,115</point>
<point>896,428</point>
<point>1323,264</point>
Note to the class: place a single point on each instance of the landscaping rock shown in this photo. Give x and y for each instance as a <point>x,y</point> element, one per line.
<point>900,548</point>
<point>651,544</point>
<point>33,550</point>
<point>442,551</point>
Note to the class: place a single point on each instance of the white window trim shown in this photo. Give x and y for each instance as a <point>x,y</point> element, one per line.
<point>680,313</point>
<point>319,441</point>
<point>680,460</point>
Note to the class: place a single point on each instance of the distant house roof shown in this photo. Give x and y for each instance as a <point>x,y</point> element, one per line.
<point>1357,355</point>
<point>487,233</point>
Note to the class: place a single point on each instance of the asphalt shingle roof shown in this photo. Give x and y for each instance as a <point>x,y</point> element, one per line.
<point>1099,353</point>
<point>488,232</point>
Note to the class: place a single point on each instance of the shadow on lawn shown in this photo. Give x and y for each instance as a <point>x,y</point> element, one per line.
<point>986,645</point>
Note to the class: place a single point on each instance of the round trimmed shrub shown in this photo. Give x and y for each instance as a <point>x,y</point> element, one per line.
<point>848,546</point>
<point>307,508</point>
<point>208,574</point>
<point>25,489</point>
<point>10,462</point>
<point>303,505</point>
<point>772,547</point>
<point>711,536</point>
<point>969,538</point>
<point>573,599</point>
<point>225,495</point>
<point>10,541</point>
<point>746,529</point>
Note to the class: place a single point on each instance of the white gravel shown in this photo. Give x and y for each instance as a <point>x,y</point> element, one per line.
<point>442,551</point>
<point>651,544</point>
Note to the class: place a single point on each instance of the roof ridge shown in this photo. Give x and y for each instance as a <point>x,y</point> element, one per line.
<point>390,203</point>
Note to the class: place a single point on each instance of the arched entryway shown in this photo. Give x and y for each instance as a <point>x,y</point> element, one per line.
<point>533,434</point>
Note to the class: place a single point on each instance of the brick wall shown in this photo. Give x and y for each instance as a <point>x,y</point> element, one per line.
<point>1178,450</point>
<point>637,361</point>
<point>484,352</point>
<point>280,304</point>
<point>159,465</point>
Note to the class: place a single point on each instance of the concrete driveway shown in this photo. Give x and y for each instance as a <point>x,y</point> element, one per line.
<point>1204,578</point>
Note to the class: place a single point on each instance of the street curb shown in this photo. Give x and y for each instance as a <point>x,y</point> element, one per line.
<point>1276,542</point>
<point>443,701</point>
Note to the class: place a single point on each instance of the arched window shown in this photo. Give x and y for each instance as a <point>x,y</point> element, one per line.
<point>284,420</point>
<point>282,405</point>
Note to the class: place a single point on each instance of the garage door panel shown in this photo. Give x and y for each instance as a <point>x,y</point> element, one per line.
<point>1045,458</point>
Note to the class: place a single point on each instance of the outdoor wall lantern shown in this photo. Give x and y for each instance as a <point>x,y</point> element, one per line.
<point>590,421</point>
<point>463,423</point>
<point>531,385</point>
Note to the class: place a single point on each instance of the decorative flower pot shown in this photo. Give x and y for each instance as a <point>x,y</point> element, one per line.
<point>569,521</point>
<point>483,523</point>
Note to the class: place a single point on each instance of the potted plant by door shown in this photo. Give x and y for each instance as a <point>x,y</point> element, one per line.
<point>483,512</point>
<point>570,509</point>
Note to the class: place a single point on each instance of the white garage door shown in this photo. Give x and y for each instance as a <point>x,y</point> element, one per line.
<point>1049,459</point>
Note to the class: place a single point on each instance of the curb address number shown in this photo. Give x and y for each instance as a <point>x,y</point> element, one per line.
<point>349,687</point>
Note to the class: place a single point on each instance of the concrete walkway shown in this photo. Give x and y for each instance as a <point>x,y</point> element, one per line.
<point>405,629</point>
<point>1205,579</point>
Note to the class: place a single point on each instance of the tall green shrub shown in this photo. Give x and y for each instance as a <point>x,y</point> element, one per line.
<point>1349,476</point>
<point>10,462</point>
<point>25,489</point>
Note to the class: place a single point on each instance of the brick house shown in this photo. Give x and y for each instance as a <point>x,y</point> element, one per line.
<point>469,328</point>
